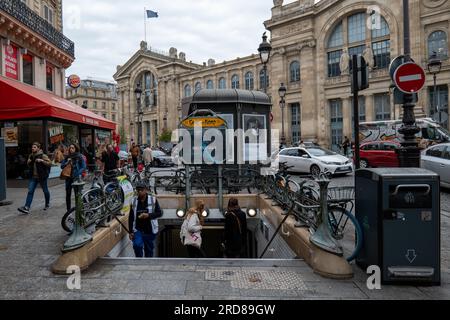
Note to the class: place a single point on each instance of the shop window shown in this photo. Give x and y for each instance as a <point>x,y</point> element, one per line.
<point>27,69</point>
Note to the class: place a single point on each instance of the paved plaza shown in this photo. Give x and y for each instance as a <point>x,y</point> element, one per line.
<point>30,244</point>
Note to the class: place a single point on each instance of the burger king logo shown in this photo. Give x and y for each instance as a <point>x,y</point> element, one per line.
<point>74,81</point>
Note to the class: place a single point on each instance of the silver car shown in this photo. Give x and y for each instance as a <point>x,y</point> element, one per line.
<point>437,159</point>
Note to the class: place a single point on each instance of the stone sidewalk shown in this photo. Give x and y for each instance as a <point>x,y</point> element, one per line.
<point>30,244</point>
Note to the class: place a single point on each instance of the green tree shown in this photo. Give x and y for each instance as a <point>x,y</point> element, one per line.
<point>123,136</point>
<point>165,136</point>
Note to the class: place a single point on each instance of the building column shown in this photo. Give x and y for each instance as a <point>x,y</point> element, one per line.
<point>347,116</point>
<point>309,104</point>
<point>370,108</point>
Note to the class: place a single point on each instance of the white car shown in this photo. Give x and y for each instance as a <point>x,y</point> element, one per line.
<point>315,160</point>
<point>437,159</point>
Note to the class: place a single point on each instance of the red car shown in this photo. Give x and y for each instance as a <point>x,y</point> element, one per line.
<point>379,154</point>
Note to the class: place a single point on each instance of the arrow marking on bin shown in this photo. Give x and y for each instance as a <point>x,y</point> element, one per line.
<point>412,77</point>
<point>411,256</point>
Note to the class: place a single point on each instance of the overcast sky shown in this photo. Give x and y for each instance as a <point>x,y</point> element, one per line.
<point>107,33</point>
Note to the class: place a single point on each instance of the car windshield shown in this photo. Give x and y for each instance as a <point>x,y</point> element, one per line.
<point>320,152</point>
<point>444,132</point>
<point>158,153</point>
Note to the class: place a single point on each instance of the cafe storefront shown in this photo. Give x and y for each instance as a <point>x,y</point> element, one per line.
<point>29,115</point>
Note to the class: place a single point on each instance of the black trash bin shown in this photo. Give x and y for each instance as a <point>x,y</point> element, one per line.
<point>399,211</point>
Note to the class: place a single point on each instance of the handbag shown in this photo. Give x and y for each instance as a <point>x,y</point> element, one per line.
<point>66,173</point>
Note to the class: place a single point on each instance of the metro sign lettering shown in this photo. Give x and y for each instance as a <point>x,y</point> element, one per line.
<point>409,77</point>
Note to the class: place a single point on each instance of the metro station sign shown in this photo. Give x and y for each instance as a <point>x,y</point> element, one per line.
<point>204,122</point>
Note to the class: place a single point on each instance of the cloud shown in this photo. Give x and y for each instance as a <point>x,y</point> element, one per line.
<point>107,33</point>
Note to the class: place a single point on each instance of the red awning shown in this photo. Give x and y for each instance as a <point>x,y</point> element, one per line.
<point>19,101</point>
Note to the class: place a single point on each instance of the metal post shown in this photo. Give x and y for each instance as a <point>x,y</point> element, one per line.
<point>188,187</point>
<point>79,236</point>
<point>283,136</point>
<point>265,78</point>
<point>322,238</point>
<point>409,153</point>
<point>436,106</point>
<point>220,189</point>
<point>356,109</point>
<point>3,179</point>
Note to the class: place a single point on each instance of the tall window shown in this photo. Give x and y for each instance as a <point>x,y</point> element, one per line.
<point>263,80</point>
<point>295,122</point>
<point>355,42</point>
<point>150,89</point>
<point>187,90</point>
<point>94,105</point>
<point>440,103</point>
<point>209,84</point>
<point>295,71</point>
<point>382,106</point>
<point>235,82</point>
<point>198,86</point>
<point>49,77</point>
<point>437,42</point>
<point>27,68</point>
<point>249,82</point>
<point>148,132</point>
<point>48,14</point>
<point>337,124</point>
<point>222,83</point>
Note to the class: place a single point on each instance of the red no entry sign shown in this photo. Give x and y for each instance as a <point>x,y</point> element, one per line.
<point>409,77</point>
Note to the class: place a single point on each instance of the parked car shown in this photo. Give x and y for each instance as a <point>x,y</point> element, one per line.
<point>315,160</point>
<point>382,154</point>
<point>437,159</point>
<point>160,159</point>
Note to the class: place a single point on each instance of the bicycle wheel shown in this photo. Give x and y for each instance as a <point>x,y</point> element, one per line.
<point>345,228</point>
<point>68,220</point>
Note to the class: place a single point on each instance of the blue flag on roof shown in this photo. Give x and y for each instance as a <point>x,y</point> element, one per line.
<point>152,14</point>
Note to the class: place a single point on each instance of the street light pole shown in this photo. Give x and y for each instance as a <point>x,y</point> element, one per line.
<point>434,67</point>
<point>264,53</point>
<point>409,153</point>
<point>282,93</point>
<point>138,93</point>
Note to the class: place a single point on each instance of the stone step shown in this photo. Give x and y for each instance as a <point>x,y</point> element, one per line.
<point>260,263</point>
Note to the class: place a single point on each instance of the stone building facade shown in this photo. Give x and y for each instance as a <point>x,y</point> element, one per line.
<point>33,48</point>
<point>310,42</point>
<point>100,97</point>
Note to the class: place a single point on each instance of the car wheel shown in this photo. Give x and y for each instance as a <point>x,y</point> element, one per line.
<point>315,171</point>
<point>363,163</point>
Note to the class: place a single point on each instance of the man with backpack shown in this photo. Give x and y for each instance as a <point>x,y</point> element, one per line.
<point>39,165</point>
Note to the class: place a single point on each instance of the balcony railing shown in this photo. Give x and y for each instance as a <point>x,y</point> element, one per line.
<point>33,21</point>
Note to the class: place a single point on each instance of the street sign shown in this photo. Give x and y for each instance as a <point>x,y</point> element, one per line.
<point>399,97</point>
<point>409,77</point>
<point>204,122</point>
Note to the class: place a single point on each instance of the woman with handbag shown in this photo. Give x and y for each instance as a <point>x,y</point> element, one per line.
<point>235,230</point>
<point>72,168</point>
<point>190,234</point>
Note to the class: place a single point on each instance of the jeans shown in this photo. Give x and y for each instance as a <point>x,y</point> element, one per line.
<point>144,247</point>
<point>68,194</point>
<point>32,185</point>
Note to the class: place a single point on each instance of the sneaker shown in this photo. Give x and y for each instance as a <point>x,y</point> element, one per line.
<point>47,207</point>
<point>24,210</point>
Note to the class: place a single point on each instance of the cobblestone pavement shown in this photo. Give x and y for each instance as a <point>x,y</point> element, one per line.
<point>30,244</point>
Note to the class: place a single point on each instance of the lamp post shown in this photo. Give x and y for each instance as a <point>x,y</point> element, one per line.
<point>282,93</point>
<point>434,67</point>
<point>140,114</point>
<point>264,53</point>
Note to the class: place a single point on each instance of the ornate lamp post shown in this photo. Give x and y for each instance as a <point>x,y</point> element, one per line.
<point>140,114</point>
<point>434,67</point>
<point>264,53</point>
<point>282,93</point>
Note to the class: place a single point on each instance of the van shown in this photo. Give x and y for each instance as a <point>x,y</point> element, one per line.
<point>430,132</point>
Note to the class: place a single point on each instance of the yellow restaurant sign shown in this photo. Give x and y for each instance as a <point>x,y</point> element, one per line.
<point>206,122</point>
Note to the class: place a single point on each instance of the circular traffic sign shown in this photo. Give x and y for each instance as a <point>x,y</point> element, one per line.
<point>409,77</point>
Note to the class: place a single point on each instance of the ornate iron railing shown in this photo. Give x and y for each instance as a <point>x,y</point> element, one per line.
<point>32,20</point>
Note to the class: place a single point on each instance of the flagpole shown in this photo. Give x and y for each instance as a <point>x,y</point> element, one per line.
<point>145,23</point>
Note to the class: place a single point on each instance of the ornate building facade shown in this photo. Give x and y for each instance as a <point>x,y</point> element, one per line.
<point>309,41</point>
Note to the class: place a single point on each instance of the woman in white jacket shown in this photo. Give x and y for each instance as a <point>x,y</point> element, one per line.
<point>191,233</point>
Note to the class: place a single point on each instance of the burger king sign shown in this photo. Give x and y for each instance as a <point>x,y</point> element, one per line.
<point>74,81</point>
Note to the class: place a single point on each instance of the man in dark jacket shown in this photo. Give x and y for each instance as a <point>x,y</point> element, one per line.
<point>40,165</point>
<point>235,230</point>
<point>143,223</point>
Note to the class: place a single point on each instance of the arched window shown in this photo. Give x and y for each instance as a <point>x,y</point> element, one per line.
<point>149,89</point>
<point>437,42</point>
<point>263,80</point>
<point>295,71</point>
<point>235,82</point>
<point>209,84</point>
<point>198,86</point>
<point>249,82</point>
<point>355,42</point>
<point>222,83</point>
<point>187,91</point>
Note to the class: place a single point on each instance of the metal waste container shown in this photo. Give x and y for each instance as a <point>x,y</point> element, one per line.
<point>2,170</point>
<point>399,211</point>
